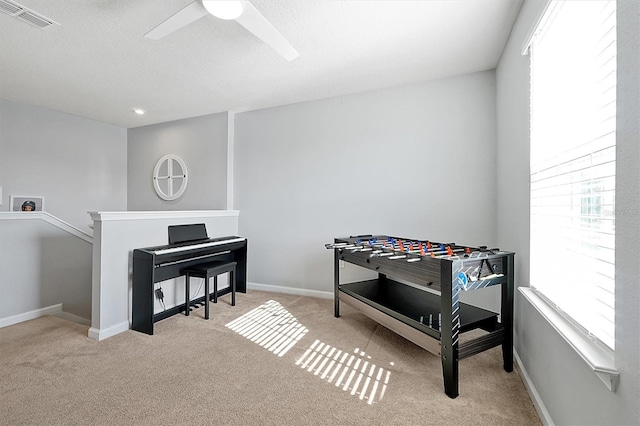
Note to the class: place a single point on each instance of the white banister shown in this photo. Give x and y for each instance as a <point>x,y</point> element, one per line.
<point>49,218</point>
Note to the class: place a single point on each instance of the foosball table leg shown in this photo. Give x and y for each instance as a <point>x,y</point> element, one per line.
<point>506,317</point>
<point>449,329</point>
<point>450,373</point>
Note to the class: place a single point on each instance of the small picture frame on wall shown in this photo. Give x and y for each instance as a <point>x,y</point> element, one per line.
<point>26,203</point>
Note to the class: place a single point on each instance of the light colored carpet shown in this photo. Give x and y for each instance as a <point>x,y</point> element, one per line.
<point>211,372</point>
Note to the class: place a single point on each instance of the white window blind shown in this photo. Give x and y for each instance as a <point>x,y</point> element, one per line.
<point>573,154</point>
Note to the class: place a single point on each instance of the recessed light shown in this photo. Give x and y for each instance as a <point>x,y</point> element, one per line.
<point>138,111</point>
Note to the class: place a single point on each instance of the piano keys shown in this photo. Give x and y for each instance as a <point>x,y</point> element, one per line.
<point>155,264</point>
<point>197,246</point>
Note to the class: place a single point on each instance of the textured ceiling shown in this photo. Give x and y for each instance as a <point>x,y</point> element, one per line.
<point>98,65</point>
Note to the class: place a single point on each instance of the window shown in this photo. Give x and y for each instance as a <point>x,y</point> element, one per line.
<point>573,149</point>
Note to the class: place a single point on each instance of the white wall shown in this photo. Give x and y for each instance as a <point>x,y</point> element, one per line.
<point>201,142</point>
<point>76,164</point>
<point>415,161</point>
<point>568,388</point>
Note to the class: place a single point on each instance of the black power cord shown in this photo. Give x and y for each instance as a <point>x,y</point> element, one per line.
<point>160,296</point>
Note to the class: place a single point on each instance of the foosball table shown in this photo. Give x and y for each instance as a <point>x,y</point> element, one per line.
<point>416,295</point>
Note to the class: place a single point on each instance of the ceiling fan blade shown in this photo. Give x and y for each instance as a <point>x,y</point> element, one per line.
<point>182,18</point>
<point>257,24</point>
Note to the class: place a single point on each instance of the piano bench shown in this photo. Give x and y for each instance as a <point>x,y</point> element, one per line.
<point>206,271</point>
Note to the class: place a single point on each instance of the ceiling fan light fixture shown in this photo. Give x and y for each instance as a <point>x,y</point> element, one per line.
<point>224,9</point>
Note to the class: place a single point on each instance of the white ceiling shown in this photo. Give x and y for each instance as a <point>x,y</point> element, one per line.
<point>98,65</point>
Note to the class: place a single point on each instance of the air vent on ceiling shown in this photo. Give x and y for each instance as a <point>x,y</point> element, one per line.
<point>26,15</point>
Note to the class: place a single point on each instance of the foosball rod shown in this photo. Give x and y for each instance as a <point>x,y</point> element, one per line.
<point>393,255</point>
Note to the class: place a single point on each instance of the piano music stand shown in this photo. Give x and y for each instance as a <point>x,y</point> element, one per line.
<point>184,233</point>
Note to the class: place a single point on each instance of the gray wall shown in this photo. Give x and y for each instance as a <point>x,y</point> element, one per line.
<point>78,165</point>
<point>42,265</point>
<point>570,391</point>
<point>415,161</point>
<point>201,142</point>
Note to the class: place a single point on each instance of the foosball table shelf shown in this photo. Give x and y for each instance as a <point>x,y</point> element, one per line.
<point>416,295</point>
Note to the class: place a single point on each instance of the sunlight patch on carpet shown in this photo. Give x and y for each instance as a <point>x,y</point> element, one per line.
<point>353,373</point>
<point>271,326</point>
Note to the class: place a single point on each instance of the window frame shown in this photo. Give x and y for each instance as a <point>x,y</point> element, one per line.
<point>599,357</point>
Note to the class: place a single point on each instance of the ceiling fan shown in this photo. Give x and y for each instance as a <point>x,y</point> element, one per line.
<point>241,11</point>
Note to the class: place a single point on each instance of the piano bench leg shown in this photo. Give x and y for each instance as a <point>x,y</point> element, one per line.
<point>206,299</point>
<point>215,289</point>
<point>187,302</point>
<point>232,277</point>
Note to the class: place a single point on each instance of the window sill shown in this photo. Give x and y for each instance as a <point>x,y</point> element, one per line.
<point>600,359</point>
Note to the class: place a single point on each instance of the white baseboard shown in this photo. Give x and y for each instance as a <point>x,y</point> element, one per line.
<point>73,318</point>
<point>101,334</point>
<point>26,316</point>
<point>533,393</point>
<point>290,290</point>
